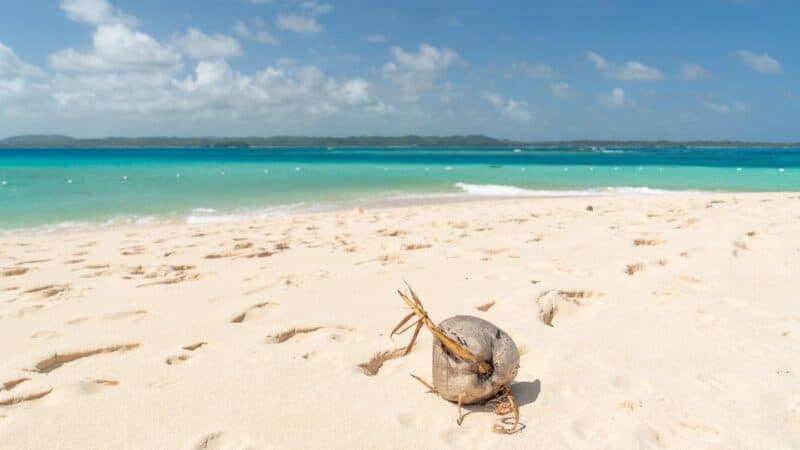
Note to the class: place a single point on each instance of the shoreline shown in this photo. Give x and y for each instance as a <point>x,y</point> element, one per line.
<point>259,214</point>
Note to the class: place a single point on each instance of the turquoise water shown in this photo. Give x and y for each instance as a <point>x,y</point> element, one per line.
<point>80,187</point>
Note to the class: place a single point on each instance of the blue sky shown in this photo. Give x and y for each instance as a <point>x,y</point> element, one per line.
<point>704,69</point>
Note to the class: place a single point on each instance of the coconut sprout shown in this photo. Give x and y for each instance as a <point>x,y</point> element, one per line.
<point>473,361</point>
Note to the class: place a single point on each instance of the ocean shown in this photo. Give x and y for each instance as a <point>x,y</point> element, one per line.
<point>49,189</point>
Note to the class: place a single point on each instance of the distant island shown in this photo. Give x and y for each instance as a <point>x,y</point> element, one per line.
<point>473,141</point>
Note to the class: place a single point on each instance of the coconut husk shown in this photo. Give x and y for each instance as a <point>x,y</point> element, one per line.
<point>454,377</point>
<point>473,360</point>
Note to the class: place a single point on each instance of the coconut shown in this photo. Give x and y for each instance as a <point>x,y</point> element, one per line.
<point>454,377</point>
<point>473,360</point>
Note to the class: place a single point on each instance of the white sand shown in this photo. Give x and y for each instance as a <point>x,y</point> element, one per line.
<point>698,348</point>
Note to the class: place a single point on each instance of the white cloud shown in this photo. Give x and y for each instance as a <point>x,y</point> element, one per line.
<point>689,72</point>
<point>761,63</point>
<point>627,71</point>
<point>126,71</point>
<point>304,89</point>
<point>89,11</point>
<point>561,89</point>
<point>416,72</point>
<point>726,108</point>
<point>213,89</point>
<point>537,71</point>
<point>299,24</point>
<point>208,73</point>
<point>117,47</point>
<point>427,59</point>
<point>12,66</point>
<point>258,34</point>
<point>510,108</point>
<point>15,81</point>
<point>633,70</point>
<point>375,38</point>
<point>351,92</point>
<point>12,89</point>
<point>316,8</point>
<point>599,62</point>
<point>94,12</point>
<point>614,99</point>
<point>380,108</point>
<point>199,45</point>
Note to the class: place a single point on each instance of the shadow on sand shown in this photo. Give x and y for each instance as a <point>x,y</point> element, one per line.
<point>526,392</point>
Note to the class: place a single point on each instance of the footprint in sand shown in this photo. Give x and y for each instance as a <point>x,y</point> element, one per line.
<point>409,247</point>
<point>195,346</point>
<point>49,290</point>
<point>57,360</point>
<point>93,386</point>
<point>286,335</point>
<point>485,307</point>
<point>260,253</point>
<point>391,233</point>
<point>11,384</point>
<point>109,316</point>
<point>177,359</point>
<point>219,255</point>
<point>173,276</point>
<point>631,269</point>
<point>373,366</point>
<point>254,312</point>
<point>25,398</point>
<point>390,259</point>
<point>242,246</point>
<point>563,303</point>
<point>646,242</point>
<point>14,272</point>
<point>132,251</point>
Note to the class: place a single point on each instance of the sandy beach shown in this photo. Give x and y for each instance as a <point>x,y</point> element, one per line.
<point>659,321</point>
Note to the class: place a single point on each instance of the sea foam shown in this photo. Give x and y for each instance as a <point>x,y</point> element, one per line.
<point>501,190</point>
